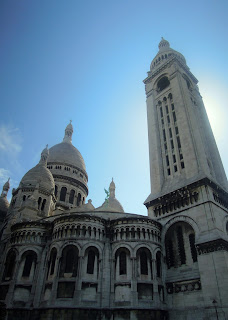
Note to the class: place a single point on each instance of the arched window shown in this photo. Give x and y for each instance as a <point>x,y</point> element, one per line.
<point>63,194</point>
<point>69,261</point>
<point>30,261</point>
<point>123,262</point>
<point>9,266</point>
<point>90,262</point>
<point>79,199</point>
<point>143,263</point>
<point>163,83</point>
<point>179,240</point>
<point>72,194</point>
<point>24,197</point>
<point>158,264</point>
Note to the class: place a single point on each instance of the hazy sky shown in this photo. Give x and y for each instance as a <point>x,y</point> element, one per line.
<point>85,61</point>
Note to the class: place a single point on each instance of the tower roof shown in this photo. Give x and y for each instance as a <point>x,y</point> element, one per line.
<point>165,53</point>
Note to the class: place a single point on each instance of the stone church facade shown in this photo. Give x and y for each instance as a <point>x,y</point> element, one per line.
<point>61,258</point>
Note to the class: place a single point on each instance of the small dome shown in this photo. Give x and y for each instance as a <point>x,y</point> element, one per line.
<point>66,153</point>
<point>111,203</point>
<point>40,174</point>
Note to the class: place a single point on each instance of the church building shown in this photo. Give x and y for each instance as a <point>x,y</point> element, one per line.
<point>63,259</point>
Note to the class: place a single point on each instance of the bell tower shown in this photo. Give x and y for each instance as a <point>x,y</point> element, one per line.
<point>182,147</point>
<point>188,189</point>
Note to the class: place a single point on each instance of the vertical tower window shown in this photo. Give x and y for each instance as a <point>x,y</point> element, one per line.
<point>169,253</point>
<point>170,133</point>
<point>161,112</point>
<point>174,117</point>
<point>178,142</point>
<point>181,245</point>
<point>164,135</point>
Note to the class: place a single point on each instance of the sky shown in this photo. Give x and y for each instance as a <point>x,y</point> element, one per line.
<point>85,61</point>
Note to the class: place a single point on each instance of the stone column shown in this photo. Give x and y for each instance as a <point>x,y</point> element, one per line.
<point>134,292</point>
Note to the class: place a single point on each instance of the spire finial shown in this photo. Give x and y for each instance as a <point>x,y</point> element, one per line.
<point>112,189</point>
<point>68,133</point>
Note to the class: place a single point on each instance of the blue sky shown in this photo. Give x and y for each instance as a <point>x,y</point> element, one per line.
<point>85,61</point>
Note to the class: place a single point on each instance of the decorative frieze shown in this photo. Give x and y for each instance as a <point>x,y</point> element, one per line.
<point>212,246</point>
<point>220,199</point>
<point>176,200</point>
<point>183,286</point>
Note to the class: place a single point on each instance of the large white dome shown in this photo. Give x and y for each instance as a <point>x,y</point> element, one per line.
<point>66,153</point>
